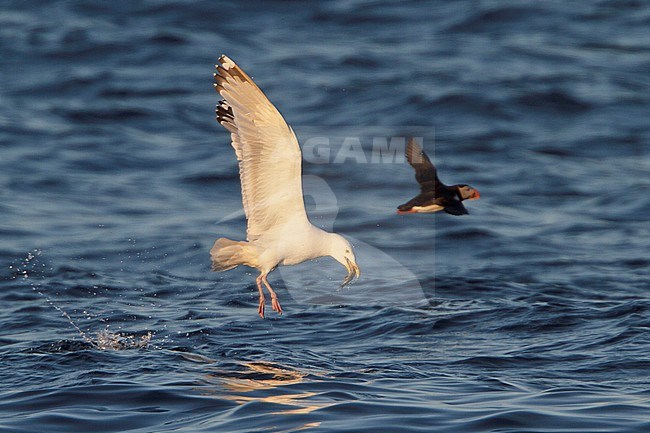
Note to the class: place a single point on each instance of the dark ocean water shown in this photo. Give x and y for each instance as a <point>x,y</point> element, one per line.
<point>532,314</point>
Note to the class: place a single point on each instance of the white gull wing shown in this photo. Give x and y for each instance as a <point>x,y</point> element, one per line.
<point>270,161</point>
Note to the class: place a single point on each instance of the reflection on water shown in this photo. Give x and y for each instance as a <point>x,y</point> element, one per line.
<point>262,382</point>
<point>272,377</point>
<point>305,426</point>
<point>266,376</point>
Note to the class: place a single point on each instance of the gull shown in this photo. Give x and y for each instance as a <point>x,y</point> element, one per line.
<point>434,195</point>
<point>278,230</point>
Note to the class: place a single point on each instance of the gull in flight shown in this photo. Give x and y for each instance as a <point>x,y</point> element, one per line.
<point>270,170</point>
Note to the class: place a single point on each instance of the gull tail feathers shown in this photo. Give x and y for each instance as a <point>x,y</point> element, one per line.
<point>227,254</point>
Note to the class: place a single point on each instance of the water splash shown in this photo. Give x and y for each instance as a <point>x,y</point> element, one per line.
<point>67,316</point>
<point>104,339</point>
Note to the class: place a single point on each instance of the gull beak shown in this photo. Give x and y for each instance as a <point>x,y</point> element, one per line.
<point>353,271</point>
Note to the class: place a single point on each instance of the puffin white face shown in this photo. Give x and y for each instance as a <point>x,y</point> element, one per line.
<point>468,193</point>
<point>342,252</point>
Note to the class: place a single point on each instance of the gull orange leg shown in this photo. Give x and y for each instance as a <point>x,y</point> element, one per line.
<point>274,298</point>
<point>260,308</point>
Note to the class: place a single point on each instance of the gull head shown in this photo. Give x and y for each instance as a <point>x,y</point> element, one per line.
<point>341,250</point>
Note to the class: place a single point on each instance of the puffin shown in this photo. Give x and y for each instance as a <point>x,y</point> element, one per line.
<point>434,195</point>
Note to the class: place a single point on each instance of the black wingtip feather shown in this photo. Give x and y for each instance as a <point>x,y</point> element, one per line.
<point>224,112</point>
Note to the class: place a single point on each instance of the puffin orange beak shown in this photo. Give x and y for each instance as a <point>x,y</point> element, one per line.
<point>475,196</point>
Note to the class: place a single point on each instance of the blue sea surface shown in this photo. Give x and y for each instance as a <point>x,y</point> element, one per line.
<point>531,314</point>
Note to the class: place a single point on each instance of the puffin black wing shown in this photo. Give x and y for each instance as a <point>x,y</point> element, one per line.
<point>425,172</point>
<point>419,200</point>
<point>454,207</point>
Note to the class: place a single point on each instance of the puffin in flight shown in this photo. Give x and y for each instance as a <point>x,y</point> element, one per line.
<point>434,195</point>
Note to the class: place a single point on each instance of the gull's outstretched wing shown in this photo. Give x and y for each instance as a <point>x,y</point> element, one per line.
<point>425,172</point>
<point>270,161</point>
